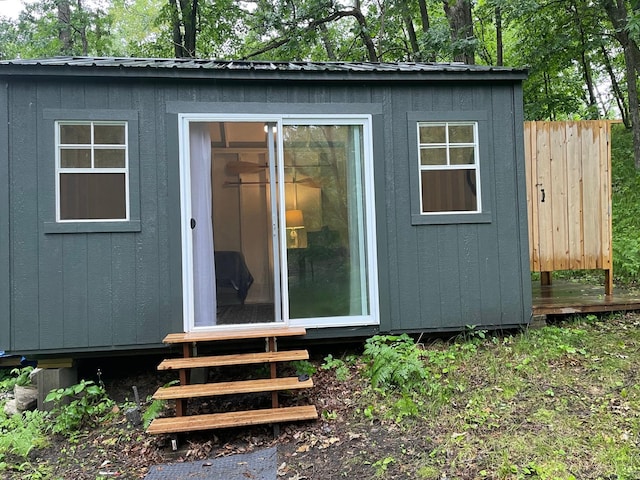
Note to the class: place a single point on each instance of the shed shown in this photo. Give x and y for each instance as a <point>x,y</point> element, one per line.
<point>142,197</point>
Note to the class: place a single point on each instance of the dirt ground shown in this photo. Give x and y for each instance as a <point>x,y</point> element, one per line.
<point>342,443</point>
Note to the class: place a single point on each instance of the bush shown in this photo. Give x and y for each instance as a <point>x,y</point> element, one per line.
<point>88,406</point>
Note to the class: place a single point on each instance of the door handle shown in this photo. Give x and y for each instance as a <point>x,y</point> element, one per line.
<point>542,191</point>
<point>193,222</point>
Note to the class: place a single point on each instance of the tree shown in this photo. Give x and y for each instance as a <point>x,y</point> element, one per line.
<point>619,15</point>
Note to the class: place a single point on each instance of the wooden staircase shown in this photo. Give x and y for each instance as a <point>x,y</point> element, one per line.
<point>276,414</point>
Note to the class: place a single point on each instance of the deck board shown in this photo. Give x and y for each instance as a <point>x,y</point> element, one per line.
<point>564,297</point>
<point>232,419</point>
<point>240,334</point>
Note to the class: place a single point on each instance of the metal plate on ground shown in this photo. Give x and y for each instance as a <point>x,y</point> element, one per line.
<point>258,465</point>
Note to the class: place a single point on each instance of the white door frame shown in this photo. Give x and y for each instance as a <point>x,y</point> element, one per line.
<point>281,294</point>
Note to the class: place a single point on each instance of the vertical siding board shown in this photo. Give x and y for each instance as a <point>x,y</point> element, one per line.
<point>151,142</point>
<point>167,127</point>
<point>123,289</point>
<point>488,288</point>
<point>50,258</point>
<point>24,219</point>
<point>382,149</point>
<point>448,274</point>
<point>517,127</point>
<point>75,294</point>
<point>469,268</point>
<point>405,256</point>
<point>147,270</point>
<point>507,211</point>
<point>5,279</point>
<point>99,290</point>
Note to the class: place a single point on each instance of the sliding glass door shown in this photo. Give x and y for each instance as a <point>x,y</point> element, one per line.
<point>327,248</point>
<point>278,221</point>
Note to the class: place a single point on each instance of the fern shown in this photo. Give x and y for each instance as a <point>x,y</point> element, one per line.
<point>395,363</point>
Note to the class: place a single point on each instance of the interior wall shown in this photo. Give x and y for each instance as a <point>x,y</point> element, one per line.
<point>242,214</point>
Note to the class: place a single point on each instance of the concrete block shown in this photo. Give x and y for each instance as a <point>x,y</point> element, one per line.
<point>53,378</point>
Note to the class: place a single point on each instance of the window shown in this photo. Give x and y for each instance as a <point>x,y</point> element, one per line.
<point>448,167</point>
<point>92,171</point>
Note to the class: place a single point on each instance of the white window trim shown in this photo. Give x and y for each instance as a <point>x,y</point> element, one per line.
<point>447,145</point>
<point>373,318</point>
<point>92,170</point>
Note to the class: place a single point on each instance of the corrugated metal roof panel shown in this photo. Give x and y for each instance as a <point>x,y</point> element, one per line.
<point>129,67</point>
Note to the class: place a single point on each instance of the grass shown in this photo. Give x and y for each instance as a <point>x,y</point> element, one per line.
<point>562,402</point>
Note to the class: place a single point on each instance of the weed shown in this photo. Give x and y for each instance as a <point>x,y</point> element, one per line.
<point>88,406</point>
<point>17,376</point>
<point>20,433</point>
<point>329,415</point>
<point>340,367</point>
<point>303,367</point>
<point>382,465</point>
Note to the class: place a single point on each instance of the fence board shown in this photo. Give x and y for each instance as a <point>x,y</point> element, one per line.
<point>568,166</point>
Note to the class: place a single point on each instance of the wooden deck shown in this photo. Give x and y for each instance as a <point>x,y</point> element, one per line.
<point>564,297</point>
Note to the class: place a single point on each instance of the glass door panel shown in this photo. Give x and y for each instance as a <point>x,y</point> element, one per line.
<point>325,221</point>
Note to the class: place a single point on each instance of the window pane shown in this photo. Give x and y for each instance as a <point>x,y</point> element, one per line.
<point>461,134</point>
<point>75,134</point>
<point>433,156</point>
<point>449,191</point>
<point>324,194</point>
<point>108,134</point>
<point>462,156</point>
<point>107,158</point>
<point>432,134</point>
<point>92,196</point>
<point>75,158</point>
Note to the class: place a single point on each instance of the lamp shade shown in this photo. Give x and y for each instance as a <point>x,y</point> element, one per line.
<point>294,219</point>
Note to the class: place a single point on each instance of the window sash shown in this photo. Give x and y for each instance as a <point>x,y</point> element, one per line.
<point>447,146</point>
<point>91,171</point>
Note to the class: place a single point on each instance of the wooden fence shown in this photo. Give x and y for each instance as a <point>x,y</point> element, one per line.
<point>568,168</point>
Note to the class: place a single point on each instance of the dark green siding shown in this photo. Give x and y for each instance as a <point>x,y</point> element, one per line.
<point>107,290</point>
<point>5,290</point>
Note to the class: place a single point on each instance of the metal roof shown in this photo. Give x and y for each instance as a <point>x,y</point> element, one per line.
<point>203,68</point>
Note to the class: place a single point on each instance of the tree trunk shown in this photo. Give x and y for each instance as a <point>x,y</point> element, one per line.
<point>458,14</point>
<point>586,65</point>
<point>83,31</point>
<point>619,95</point>
<point>64,33</point>
<point>426,25</point>
<point>190,22</point>
<point>326,41</point>
<point>411,31</point>
<point>617,13</point>
<point>499,45</point>
<point>184,26</point>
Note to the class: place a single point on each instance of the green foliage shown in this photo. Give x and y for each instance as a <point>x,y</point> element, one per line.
<point>626,207</point>
<point>339,366</point>
<point>303,367</point>
<point>395,363</point>
<point>21,433</point>
<point>88,406</point>
<point>17,376</point>
<point>152,412</point>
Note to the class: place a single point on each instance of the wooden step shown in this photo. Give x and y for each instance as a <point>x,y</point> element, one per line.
<point>236,359</point>
<point>240,334</point>
<point>228,388</point>
<point>232,419</point>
